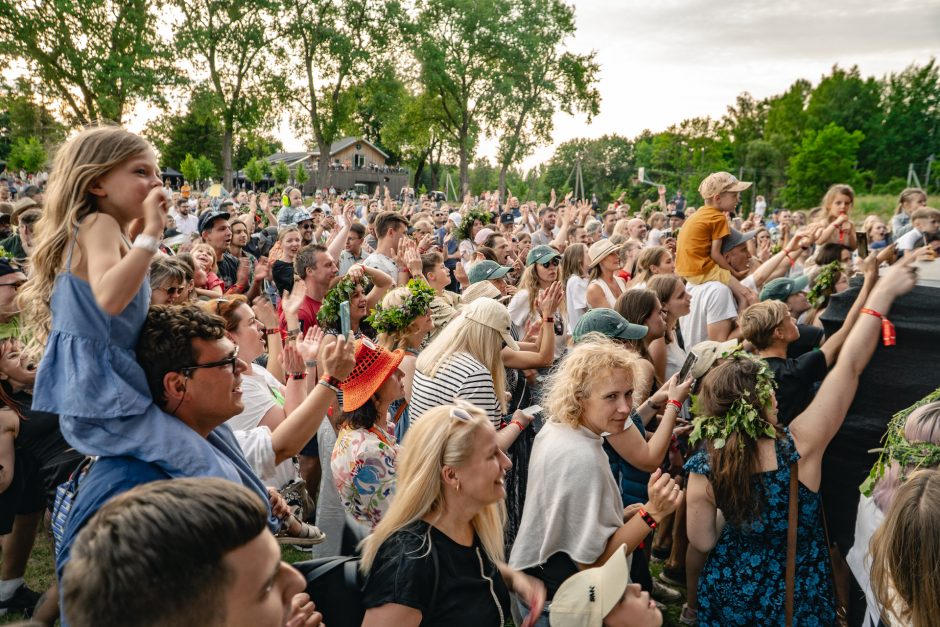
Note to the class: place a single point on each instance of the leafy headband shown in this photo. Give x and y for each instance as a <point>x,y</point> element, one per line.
<point>463,231</point>
<point>328,316</point>
<point>908,455</point>
<point>744,416</point>
<point>824,283</point>
<point>392,319</point>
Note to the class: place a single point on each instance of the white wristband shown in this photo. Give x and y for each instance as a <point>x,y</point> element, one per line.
<point>147,242</point>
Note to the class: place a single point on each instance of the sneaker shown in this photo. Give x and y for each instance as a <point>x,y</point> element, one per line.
<point>672,577</point>
<point>662,592</point>
<point>23,601</point>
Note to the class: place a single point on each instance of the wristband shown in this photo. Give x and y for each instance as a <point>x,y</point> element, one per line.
<point>271,330</point>
<point>548,319</point>
<point>329,386</point>
<point>518,424</point>
<point>888,336</point>
<point>649,520</point>
<point>296,376</point>
<point>676,404</point>
<point>310,363</point>
<point>147,242</point>
<point>331,380</point>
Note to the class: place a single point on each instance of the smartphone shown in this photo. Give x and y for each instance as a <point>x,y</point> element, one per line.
<point>532,410</point>
<point>861,238</point>
<point>687,366</point>
<point>344,323</point>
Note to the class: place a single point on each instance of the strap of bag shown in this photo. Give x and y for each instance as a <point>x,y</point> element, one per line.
<point>401,410</point>
<point>792,523</point>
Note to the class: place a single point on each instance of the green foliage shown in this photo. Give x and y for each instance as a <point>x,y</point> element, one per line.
<point>197,131</point>
<point>462,232</point>
<point>392,319</point>
<point>328,316</point>
<point>824,158</point>
<point>824,283</point>
<point>21,116</point>
<point>96,59</point>
<point>189,166</point>
<point>206,168</point>
<point>255,170</point>
<point>281,173</point>
<point>301,175</point>
<point>606,163</point>
<point>27,154</point>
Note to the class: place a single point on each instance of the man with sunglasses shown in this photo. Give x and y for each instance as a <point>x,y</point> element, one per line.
<point>12,278</point>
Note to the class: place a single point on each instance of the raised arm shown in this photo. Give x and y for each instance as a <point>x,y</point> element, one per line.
<point>834,343</point>
<point>818,424</point>
<point>338,244</point>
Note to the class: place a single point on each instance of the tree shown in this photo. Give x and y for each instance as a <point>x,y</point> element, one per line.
<point>281,173</point>
<point>606,163</point>
<point>825,157</point>
<point>301,175</point>
<point>544,78</point>
<point>231,42</point>
<point>24,114</point>
<point>460,46</point>
<point>197,131</point>
<point>27,154</point>
<point>342,43</point>
<point>189,166</point>
<point>97,58</point>
<point>255,170</point>
<point>786,119</point>
<point>252,145</point>
<point>206,168</point>
<point>414,132</point>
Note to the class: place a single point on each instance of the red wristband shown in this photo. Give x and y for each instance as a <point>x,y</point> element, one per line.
<point>675,404</point>
<point>649,520</point>
<point>518,424</point>
<point>888,336</point>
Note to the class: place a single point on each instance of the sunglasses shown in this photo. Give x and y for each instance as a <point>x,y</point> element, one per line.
<point>552,263</point>
<point>231,361</point>
<point>306,227</point>
<point>171,291</point>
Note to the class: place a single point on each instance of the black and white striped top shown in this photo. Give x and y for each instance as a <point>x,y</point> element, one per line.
<point>462,376</point>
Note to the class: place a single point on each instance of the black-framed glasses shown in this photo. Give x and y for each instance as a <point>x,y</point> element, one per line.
<point>232,361</point>
<point>306,227</point>
<point>551,263</point>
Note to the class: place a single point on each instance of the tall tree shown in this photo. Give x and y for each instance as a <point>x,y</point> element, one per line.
<point>231,42</point>
<point>544,77</point>
<point>23,113</point>
<point>460,46</point>
<point>825,157</point>
<point>95,57</point>
<point>197,131</point>
<point>332,46</point>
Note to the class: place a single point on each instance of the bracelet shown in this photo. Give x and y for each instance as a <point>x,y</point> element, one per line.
<point>331,380</point>
<point>518,424</point>
<point>329,386</point>
<point>296,376</point>
<point>310,363</point>
<point>676,404</point>
<point>271,330</point>
<point>147,242</point>
<point>888,336</point>
<point>549,319</point>
<point>649,520</point>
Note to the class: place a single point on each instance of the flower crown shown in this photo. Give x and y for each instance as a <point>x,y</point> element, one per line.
<point>825,281</point>
<point>391,319</point>
<point>897,448</point>
<point>463,231</point>
<point>744,416</point>
<point>328,316</point>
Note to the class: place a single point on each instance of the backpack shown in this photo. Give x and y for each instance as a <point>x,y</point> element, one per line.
<point>335,587</point>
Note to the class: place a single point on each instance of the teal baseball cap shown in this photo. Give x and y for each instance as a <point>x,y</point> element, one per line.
<point>541,254</point>
<point>607,322</point>
<point>486,270</point>
<point>783,288</point>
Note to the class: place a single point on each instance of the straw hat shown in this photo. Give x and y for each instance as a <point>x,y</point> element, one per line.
<point>601,249</point>
<point>374,365</point>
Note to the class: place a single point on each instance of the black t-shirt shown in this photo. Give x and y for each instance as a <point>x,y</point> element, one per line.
<point>810,338</point>
<point>283,275</point>
<point>797,382</point>
<point>470,590</point>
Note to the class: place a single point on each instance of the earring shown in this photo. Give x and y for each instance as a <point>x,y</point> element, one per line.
<point>458,485</point>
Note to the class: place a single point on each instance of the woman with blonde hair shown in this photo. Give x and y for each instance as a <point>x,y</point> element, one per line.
<point>909,201</point>
<point>282,269</point>
<point>542,268</point>
<point>745,471</point>
<point>574,516</point>
<point>605,286</point>
<point>912,443</point>
<point>436,557</point>
<point>651,262</point>
<point>837,204</point>
<point>464,361</point>
<point>905,553</point>
<point>877,232</point>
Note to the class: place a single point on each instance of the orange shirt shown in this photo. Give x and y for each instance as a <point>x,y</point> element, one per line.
<point>185,190</point>
<point>694,247</point>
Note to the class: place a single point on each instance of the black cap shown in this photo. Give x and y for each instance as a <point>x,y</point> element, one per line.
<point>507,218</point>
<point>206,219</point>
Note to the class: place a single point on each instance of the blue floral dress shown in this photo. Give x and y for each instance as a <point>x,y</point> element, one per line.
<point>744,578</point>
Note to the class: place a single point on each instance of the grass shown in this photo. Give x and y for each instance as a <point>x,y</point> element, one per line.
<point>879,205</point>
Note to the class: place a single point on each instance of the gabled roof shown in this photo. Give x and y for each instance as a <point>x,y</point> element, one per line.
<point>290,158</point>
<point>345,142</point>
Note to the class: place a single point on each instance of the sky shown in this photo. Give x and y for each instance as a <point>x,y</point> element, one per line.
<point>662,61</point>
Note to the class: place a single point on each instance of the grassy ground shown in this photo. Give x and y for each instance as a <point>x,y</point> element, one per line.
<point>880,205</point>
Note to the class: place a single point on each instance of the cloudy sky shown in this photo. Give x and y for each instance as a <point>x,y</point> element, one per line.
<point>666,60</point>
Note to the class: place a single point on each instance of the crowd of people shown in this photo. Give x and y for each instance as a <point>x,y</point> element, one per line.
<point>505,410</point>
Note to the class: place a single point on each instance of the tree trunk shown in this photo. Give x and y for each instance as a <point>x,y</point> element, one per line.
<point>464,168</point>
<point>323,164</point>
<point>502,182</point>
<point>227,141</point>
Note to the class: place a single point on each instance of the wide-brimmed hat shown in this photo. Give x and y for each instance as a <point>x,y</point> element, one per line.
<point>601,249</point>
<point>541,254</point>
<point>486,270</point>
<point>783,288</point>
<point>708,352</point>
<point>490,313</point>
<point>717,183</point>
<point>374,365</point>
<point>584,599</point>
<point>21,206</point>
<point>607,322</point>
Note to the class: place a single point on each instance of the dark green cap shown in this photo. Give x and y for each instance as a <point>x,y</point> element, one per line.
<point>610,323</point>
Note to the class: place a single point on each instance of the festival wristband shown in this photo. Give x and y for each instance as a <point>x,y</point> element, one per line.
<point>147,242</point>
<point>271,330</point>
<point>649,520</point>
<point>676,404</point>
<point>329,386</point>
<point>296,376</point>
<point>518,424</point>
<point>888,336</point>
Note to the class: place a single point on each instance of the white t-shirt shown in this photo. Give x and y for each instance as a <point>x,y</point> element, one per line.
<point>910,240</point>
<point>867,520</point>
<point>576,299</point>
<point>712,302</point>
<point>258,397</point>
<point>520,315</point>
<point>188,224</point>
<point>259,453</point>
<point>384,263</point>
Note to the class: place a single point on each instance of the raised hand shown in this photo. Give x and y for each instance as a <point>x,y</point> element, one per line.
<point>337,357</point>
<point>308,344</point>
<point>264,312</point>
<point>291,301</point>
<point>665,495</point>
<point>155,209</point>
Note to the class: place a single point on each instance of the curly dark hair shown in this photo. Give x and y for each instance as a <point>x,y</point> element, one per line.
<point>166,341</point>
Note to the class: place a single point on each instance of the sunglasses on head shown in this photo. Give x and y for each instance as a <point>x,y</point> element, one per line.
<point>551,263</point>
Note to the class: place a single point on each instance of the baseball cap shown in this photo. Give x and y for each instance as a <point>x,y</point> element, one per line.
<point>735,239</point>
<point>587,597</point>
<point>507,218</point>
<point>206,219</point>
<point>481,236</point>
<point>607,322</point>
<point>455,217</point>
<point>708,352</point>
<point>601,249</point>
<point>490,313</point>
<point>541,254</point>
<point>717,183</point>
<point>783,288</point>
<point>483,289</point>
<point>302,216</point>
<point>676,214</point>
<point>485,270</point>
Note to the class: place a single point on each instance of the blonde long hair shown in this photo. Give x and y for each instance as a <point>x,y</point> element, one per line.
<point>467,336</point>
<point>396,339</point>
<point>78,163</point>
<point>435,441</point>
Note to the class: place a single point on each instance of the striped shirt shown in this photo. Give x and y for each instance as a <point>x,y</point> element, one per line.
<point>461,377</point>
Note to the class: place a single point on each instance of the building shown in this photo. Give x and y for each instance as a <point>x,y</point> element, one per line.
<point>355,164</point>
